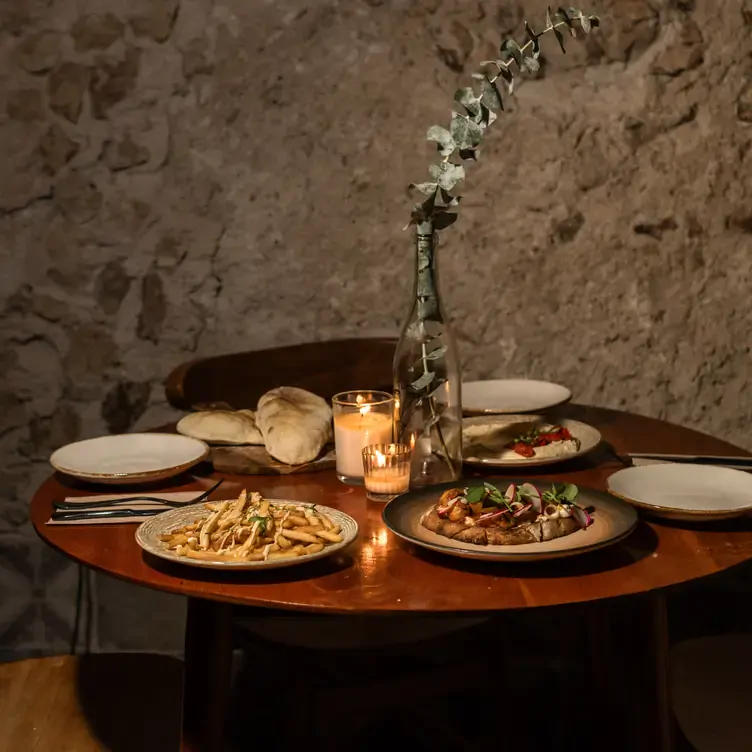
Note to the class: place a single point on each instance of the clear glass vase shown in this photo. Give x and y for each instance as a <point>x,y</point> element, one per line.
<point>427,378</point>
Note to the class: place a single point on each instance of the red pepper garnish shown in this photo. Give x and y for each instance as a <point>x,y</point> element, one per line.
<point>523,449</point>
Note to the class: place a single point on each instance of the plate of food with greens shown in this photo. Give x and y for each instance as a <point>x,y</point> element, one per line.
<point>509,519</point>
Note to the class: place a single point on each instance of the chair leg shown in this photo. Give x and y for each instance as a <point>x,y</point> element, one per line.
<point>206,683</point>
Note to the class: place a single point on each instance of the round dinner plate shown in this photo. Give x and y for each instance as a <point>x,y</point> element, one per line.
<point>490,456</point>
<point>612,521</point>
<point>510,396</point>
<point>685,492</point>
<point>129,458</point>
<point>147,536</point>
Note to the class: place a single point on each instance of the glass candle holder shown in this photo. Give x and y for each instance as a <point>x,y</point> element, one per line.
<point>361,418</point>
<point>386,470</point>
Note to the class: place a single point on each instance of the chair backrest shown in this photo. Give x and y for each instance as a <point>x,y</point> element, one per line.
<point>323,368</point>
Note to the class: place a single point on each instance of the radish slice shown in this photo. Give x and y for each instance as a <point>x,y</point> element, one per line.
<point>530,493</point>
<point>582,517</point>
<point>511,493</point>
<point>522,510</point>
<point>490,516</point>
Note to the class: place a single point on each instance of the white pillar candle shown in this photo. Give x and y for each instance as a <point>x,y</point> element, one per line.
<point>353,431</point>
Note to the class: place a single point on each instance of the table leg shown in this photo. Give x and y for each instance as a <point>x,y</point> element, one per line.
<point>628,643</point>
<point>206,680</point>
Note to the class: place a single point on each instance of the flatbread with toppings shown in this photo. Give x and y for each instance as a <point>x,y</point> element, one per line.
<point>485,515</point>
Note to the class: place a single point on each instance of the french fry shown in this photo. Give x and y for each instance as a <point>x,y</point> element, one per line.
<point>314,548</point>
<point>290,554</point>
<point>308,529</point>
<point>209,556</point>
<point>295,535</point>
<point>297,520</point>
<point>283,542</point>
<point>329,535</point>
<point>178,540</point>
<point>310,515</point>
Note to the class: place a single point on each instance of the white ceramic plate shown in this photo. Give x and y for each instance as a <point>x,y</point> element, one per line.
<point>490,456</point>
<point>685,492</point>
<point>129,458</point>
<point>612,521</point>
<point>147,536</point>
<point>510,396</point>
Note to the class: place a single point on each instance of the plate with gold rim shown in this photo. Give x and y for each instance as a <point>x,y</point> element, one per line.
<point>130,458</point>
<point>691,493</point>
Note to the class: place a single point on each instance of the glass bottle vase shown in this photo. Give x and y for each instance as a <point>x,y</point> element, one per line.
<point>427,377</point>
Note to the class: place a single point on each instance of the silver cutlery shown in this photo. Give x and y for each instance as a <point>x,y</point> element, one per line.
<point>98,514</point>
<point>81,506</point>
<point>716,460</point>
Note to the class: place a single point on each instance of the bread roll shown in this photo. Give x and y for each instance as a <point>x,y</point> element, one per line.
<point>295,424</point>
<point>222,426</point>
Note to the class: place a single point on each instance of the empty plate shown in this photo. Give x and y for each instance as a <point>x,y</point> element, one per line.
<point>685,492</point>
<point>509,396</point>
<point>129,458</point>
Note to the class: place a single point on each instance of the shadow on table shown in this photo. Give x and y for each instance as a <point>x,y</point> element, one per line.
<point>304,571</point>
<point>639,545</point>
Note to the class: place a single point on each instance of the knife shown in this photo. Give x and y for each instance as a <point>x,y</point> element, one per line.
<point>738,463</point>
<point>98,514</point>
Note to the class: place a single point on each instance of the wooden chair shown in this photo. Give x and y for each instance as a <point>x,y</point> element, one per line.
<point>91,703</point>
<point>323,368</point>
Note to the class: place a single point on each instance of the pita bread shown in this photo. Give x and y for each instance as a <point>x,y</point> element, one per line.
<point>222,427</point>
<point>295,424</point>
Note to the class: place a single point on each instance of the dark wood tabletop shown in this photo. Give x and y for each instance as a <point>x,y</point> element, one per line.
<point>380,574</point>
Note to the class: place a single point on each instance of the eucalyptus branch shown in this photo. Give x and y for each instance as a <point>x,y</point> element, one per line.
<point>467,128</point>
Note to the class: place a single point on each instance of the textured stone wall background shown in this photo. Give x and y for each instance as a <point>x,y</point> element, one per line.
<point>186,177</point>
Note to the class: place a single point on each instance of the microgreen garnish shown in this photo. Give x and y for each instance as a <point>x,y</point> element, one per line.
<point>487,492</point>
<point>564,494</point>
<point>262,521</point>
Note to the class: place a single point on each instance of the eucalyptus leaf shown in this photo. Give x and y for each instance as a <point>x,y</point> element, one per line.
<point>529,65</point>
<point>427,188</point>
<point>447,198</point>
<point>508,76</point>
<point>466,133</point>
<point>491,95</point>
<point>436,354</point>
<point>424,381</point>
<point>567,19</point>
<point>466,97</point>
<point>511,50</point>
<point>560,39</point>
<point>531,35</point>
<point>447,175</point>
<point>443,219</point>
<point>443,139</point>
<point>585,23</point>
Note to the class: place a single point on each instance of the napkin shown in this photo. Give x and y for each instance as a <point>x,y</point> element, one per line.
<point>85,501</point>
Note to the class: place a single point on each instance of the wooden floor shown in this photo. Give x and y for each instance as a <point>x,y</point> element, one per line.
<point>96,703</point>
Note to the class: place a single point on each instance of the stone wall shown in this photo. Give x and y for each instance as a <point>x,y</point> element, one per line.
<point>188,177</point>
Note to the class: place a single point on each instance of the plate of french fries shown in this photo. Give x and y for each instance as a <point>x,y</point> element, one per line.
<point>249,532</point>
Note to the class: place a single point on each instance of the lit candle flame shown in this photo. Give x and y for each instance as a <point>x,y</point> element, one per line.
<point>380,459</point>
<point>412,442</point>
<point>365,409</point>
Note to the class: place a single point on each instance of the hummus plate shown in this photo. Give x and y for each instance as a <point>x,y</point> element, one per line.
<point>485,440</point>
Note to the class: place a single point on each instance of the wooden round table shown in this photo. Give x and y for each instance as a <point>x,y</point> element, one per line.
<point>381,575</point>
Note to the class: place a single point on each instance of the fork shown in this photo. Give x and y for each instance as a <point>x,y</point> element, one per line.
<point>80,506</point>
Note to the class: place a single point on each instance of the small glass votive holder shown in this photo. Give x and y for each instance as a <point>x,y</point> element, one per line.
<point>386,470</point>
<point>361,418</point>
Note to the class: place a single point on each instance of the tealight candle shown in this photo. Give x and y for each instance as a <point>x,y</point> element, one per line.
<point>386,469</point>
<point>360,419</point>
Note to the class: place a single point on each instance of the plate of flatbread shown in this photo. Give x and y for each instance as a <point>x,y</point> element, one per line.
<point>291,428</point>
